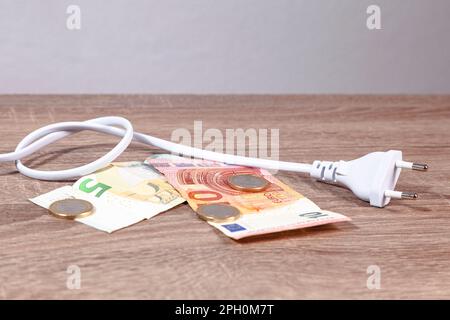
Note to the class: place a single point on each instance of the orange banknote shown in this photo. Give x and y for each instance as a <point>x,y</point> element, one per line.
<point>205,182</point>
<point>277,207</point>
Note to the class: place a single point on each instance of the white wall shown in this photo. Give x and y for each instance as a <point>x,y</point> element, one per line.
<point>224,46</point>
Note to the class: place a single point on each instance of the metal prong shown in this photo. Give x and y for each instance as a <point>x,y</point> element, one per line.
<point>409,195</point>
<point>419,166</point>
<point>400,195</point>
<point>411,165</point>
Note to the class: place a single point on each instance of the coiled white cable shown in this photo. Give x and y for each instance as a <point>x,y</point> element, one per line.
<point>121,127</point>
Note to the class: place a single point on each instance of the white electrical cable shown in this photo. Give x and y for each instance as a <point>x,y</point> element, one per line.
<point>51,133</point>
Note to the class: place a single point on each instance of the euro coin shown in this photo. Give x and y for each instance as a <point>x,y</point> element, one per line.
<point>218,212</point>
<point>71,208</point>
<point>247,182</point>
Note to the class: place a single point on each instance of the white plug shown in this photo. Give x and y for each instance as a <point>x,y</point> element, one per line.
<point>372,178</point>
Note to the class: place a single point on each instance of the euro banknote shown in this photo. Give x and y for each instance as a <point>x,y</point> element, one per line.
<point>123,193</point>
<point>277,208</point>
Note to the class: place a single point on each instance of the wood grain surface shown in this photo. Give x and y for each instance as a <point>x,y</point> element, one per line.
<point>176,255</point>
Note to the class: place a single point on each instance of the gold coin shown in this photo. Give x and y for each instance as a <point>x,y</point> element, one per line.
<point>218,212</point>
<point>71,208</point>
<point>248,182</point>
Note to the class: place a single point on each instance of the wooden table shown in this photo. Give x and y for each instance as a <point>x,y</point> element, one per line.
<point>176,256</point>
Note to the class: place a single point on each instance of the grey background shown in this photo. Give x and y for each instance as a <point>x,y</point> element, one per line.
<point>225,46</point>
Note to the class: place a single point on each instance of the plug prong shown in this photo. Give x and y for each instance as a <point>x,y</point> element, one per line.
<point>411,165</point>
<point>400,195</point>
<point>409,195</point>
<point>419,166</point>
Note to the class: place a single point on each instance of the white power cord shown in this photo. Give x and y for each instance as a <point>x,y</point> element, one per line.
<point>372,178</point>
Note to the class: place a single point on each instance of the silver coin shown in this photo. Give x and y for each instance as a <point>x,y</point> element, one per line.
<point>218,212</point>
<point>71,208</point>
<point>248,182</point>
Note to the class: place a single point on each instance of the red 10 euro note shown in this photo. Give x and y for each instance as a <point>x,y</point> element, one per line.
<point>276,208</point>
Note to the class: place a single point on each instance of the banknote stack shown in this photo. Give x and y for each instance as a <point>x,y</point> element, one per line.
<point>208,188</point>
<point>238,201</point>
